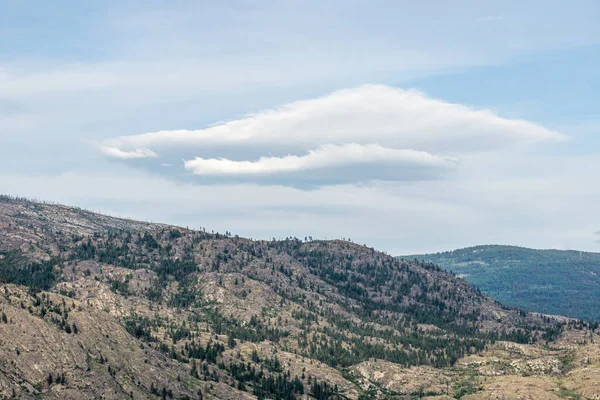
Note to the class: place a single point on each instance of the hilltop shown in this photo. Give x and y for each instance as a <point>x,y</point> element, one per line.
<point>94,306</point>
<point>548,281</point>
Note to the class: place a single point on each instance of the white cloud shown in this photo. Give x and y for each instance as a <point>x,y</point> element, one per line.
<point>371,125</point>
<point>368,114</point>
<point>505,198</point>
<point>194,69</point>
<point>324,157</point>
<point>126,155</point>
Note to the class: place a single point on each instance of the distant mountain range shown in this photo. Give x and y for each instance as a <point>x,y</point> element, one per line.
<point>549,281</point>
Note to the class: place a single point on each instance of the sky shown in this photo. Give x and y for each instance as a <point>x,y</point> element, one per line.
<point>407,126</point>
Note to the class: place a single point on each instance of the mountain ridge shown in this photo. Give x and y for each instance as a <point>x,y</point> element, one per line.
<point>95,306</point>
<point>562,282</point>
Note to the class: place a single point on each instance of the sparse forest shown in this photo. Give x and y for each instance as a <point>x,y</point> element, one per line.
<point>273,319</point>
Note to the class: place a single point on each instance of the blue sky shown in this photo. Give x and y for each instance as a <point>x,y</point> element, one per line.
<point>409,127</point>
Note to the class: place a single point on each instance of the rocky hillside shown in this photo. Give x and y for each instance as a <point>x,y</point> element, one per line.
<point>98,307</point>
<point>549,281</point>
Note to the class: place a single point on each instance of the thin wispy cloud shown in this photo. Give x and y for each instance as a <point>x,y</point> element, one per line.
<point>126,154</point>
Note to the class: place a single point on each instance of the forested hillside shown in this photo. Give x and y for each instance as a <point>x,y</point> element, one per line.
<point>549,281</point>
<point>99,307</point>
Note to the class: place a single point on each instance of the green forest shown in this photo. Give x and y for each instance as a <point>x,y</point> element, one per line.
<point>550,281</point>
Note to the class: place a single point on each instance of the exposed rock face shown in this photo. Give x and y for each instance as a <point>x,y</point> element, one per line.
<point>99,307</point>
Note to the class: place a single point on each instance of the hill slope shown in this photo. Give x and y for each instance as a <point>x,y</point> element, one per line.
<point>93,306</point>
<point>549,281</point>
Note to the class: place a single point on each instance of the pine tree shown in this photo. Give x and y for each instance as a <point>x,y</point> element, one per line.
<point>194,371</point>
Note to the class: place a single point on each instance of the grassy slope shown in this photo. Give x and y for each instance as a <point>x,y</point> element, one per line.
<point>549,281</point>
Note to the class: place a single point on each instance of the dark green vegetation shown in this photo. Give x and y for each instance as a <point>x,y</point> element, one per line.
<point>15,268</point>
<point>550,281</point>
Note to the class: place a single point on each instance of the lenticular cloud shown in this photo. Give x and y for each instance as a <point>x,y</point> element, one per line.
<point>372,125</point>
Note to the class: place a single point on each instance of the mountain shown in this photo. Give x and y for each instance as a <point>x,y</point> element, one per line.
<point>548,281</point>
<point>98,307</point>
